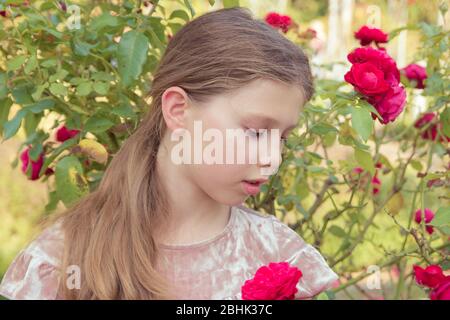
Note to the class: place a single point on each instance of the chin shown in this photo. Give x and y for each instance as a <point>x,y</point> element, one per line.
<point>230,199</point>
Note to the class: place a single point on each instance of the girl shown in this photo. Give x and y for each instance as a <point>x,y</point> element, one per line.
<point>157,229</point>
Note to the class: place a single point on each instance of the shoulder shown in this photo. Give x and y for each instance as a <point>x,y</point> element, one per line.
<point>285,245</point>
<point>273,233</point>
<point>34,274</point>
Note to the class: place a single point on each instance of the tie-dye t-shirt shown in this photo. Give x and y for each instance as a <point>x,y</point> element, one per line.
<point>211,269</point>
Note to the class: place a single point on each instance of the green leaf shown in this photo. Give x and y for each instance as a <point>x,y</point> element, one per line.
<point>323,128</point>
<point>22,94</point>
<point>15,63</point>
<point>442,217</point>
<point>416,164</point>
<point>56,152</point>
<point>31,64</point>
<point>81,48</point>
<point>179,14</point>
<point>230,3</point>
<point>38,91</point>
<point>103,21</point>
<point>5,107</point>
<point>84,88</point>
<point>58,89</point>
<point>132,53</point>
<point>97,125</point>
<point>102,76</point>
<point>94,150</point>
<point>60,75</point>
<point>52,202</point>
<point>362,122</point>
<point>70,183</point>
<point>322,296</point>
<point>337,231</point>
<point>31,122</point>
<point>366,105</point>
<point>365,160</point>
<point>3,85</point>
<point>445,120</point>
<point>35,152</point>
<point>101,87</point>
<point>41,105</point>
<point>190,7</point>
<point>11,127</point>
<point>124,110</point>
<point>49,63</point>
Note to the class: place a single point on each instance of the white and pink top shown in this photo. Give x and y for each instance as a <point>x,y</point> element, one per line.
<point>212,269</point>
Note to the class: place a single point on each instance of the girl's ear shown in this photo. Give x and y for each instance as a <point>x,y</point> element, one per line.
<point>174,103</point>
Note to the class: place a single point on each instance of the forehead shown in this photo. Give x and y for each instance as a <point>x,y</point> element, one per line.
<point>268,99</point>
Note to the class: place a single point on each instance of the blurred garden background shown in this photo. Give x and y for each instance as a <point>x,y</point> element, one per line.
<point>339,154</point>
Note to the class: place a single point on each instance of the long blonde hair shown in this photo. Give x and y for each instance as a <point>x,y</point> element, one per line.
<point>110,233</point>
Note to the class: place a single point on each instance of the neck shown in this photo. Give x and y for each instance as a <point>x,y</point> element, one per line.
<point>193,215</point>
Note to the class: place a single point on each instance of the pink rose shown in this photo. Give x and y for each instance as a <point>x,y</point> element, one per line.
<point>415,73</point>
<point>35,165</point>
<point>442,290</point>
<point>366,35</point>
<point>276,281</point>
<point>429,215</point>
<point>63,134</point>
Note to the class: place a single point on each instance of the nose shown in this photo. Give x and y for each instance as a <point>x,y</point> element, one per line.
<point>269,163</point>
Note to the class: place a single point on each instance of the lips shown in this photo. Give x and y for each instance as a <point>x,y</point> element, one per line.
<point>252,187</point>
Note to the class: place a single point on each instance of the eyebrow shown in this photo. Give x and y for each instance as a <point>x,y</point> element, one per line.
<point>266,120</point>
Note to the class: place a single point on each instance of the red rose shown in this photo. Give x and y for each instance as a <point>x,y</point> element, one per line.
<point>63,6</point>
<point>35,165</point>
<point>375,183</point>
<point>432,131</point>
<point>390,105</point>
<point>374,74</point>
<point>279,21</point>
<point>367,79</point>
<point>429,215</point>
<point>415,73</point>
<point>430,277</point>
<point>423,120</point>
<point>380,59</point>
<point>277,281</point>
<point>358,170</point>
<point>366,35</point>
<point>63,134</point>
<point>442,290</point>
<point>308,34</point>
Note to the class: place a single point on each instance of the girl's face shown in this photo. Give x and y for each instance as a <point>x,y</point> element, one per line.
<point>223,129</point>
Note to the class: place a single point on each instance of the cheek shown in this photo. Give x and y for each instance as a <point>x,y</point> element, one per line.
<point>219,175</point>
<point>221,182</point>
